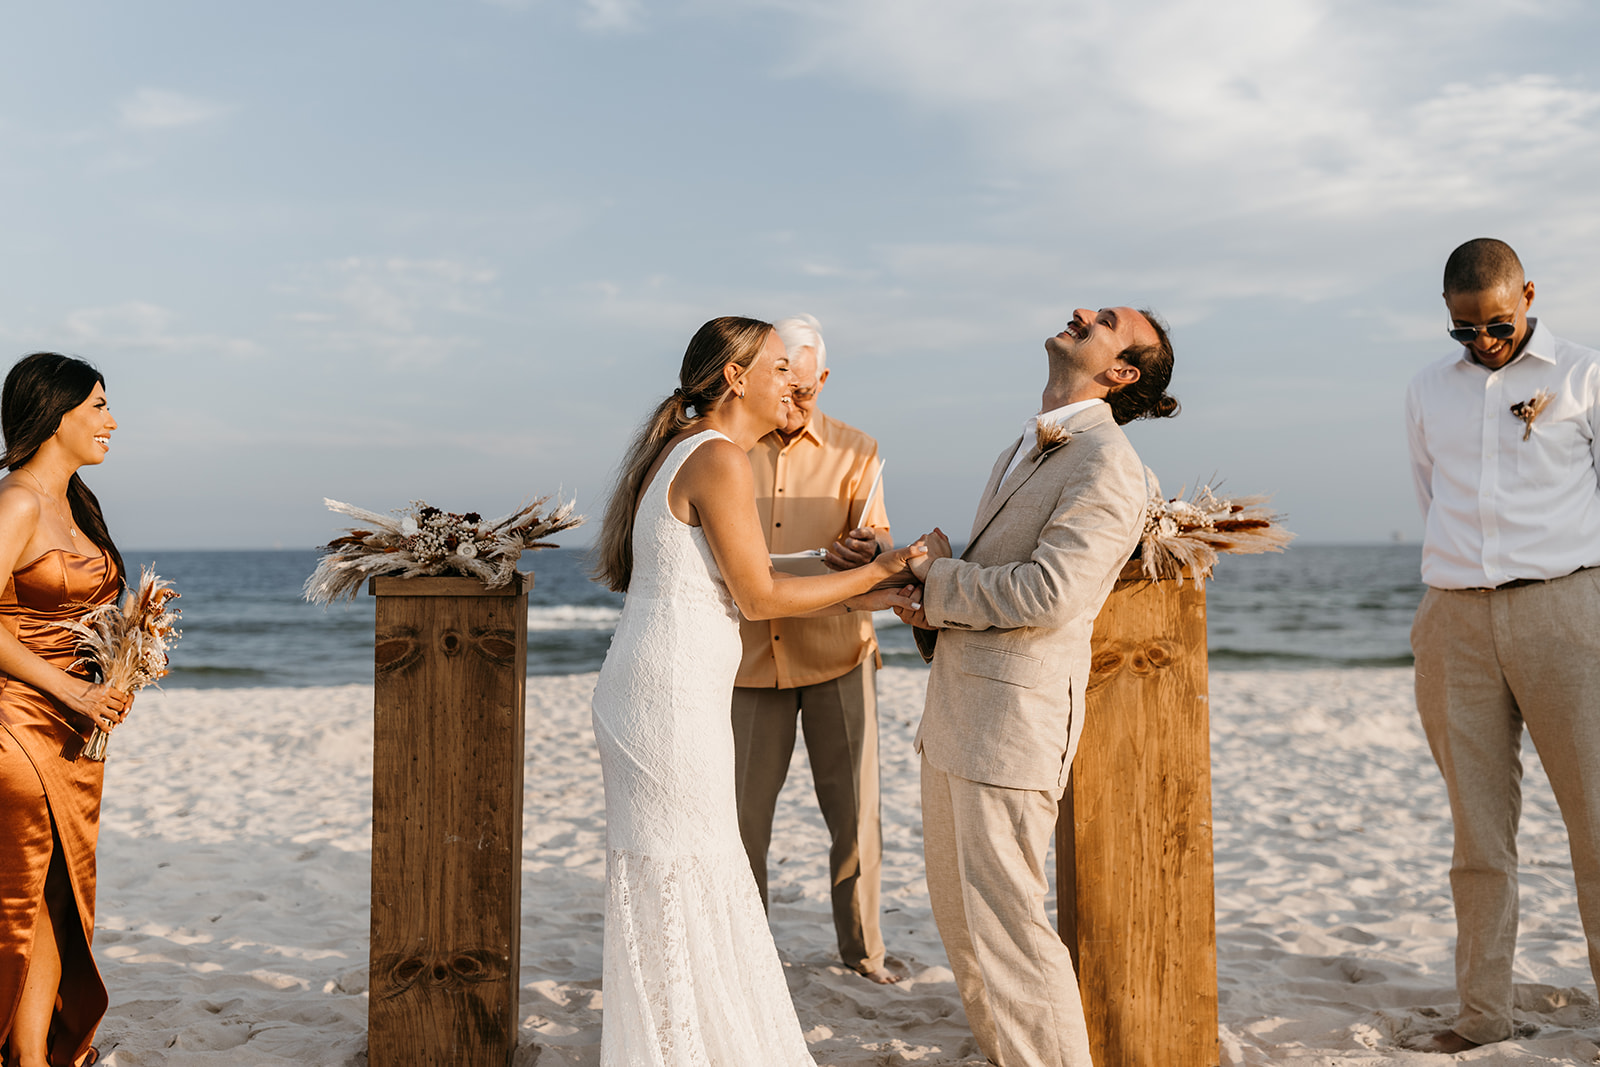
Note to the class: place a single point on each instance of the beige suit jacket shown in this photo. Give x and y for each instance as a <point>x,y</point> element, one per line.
<point>1015,612</point>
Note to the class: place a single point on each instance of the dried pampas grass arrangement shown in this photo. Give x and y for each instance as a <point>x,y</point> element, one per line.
<point>424,541</point>
<point>127,642</point>
<point>1191,533</point>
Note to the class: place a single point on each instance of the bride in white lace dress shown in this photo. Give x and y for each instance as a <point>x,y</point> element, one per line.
<point>691,975</point>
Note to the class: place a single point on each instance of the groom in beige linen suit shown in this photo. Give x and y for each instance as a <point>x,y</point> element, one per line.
<point>1006,628</point>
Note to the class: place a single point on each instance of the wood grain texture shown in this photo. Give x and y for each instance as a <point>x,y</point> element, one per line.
<point>446,586</point>
<point>1134,852</point>
<point>447,778</point>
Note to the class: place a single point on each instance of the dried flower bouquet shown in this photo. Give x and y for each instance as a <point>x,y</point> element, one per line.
<point>128,642</point>
<point>424,540</point>
<point>1181,533</point>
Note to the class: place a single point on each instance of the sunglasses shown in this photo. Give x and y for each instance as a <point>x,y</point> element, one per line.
<point>1500,331</point>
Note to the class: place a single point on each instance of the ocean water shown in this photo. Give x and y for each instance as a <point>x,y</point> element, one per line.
<point>245,624</point>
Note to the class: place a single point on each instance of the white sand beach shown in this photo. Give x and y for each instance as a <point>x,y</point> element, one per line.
<point>234,882</point>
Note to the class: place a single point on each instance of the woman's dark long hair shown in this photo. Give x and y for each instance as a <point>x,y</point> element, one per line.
<point>701,386</point>
<point>40,389</point>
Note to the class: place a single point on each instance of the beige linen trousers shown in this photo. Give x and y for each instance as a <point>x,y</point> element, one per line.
<point>1004,713</point>
<point>1488,663</point>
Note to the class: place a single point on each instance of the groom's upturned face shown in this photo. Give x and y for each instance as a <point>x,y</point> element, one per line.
<point>1093,340</point>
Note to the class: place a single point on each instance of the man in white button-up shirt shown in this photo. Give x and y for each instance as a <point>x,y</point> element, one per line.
<point>1505,451</point>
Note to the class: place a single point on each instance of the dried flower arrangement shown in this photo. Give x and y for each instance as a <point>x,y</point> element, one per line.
<point>1181,533</point>
<point>1050,435</point>
<point>1528,410</point>
<point>128,643</point>
<point>425,540</point>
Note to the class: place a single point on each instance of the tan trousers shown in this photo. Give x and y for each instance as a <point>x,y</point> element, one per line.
<point>986,850</point>
<point>1487,663</point>
<point>840,722</point>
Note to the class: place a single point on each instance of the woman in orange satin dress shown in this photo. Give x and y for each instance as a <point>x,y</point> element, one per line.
<point>56,561</point>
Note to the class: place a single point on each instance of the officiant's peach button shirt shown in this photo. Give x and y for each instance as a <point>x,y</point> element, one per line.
<point>809,492</point>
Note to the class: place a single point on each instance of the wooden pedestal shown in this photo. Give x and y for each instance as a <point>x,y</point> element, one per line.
<point>447,760</point>
<point>1133,845</point>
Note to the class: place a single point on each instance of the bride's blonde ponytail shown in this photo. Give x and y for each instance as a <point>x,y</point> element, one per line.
<point>701,390</point>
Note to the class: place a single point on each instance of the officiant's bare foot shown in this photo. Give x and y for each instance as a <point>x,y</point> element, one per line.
<point>890,973</point>
<point>1445,1041</point>
<point>881,976</point>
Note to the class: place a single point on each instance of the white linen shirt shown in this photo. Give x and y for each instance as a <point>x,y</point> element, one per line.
<point>1053,417</point>
<point>1496,507</point>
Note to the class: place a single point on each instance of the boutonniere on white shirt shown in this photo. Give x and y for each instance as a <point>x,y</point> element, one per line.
<point>1048,436</point>
<point>1528,410</point>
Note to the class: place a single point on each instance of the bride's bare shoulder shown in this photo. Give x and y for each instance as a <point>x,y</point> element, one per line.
<point>715,456</point>
<point>718,460</point>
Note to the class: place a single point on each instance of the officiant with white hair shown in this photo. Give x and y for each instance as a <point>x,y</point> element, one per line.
<point>815,479</point>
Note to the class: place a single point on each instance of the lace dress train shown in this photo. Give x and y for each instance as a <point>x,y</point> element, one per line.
<point>691,975</point>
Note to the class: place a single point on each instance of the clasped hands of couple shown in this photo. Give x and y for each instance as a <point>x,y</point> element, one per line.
<point>902,591</point>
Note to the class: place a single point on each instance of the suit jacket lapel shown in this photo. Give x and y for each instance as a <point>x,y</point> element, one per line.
<point>987,504</point>
<point>995,496</point>
<point>1030,465</point>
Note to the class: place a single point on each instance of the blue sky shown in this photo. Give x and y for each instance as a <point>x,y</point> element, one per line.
<point>454,250</point>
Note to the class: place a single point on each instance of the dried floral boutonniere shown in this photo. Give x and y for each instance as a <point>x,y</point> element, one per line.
<point>1528,410</point>
<point>1049,436</point>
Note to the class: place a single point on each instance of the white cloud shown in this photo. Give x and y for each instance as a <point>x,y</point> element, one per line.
<point>1335,108</point>
<point>140,326</point>
<point>611,14</point>
<point>600,15</point>
<point>1202,152</point>
<point>407,312</point>
<point>159,109</point>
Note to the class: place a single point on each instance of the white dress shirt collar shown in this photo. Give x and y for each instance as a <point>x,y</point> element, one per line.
<point>1540,345</point>
<point>1053,417</point>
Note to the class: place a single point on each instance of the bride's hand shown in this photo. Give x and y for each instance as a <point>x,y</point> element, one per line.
<point>899,598</point>
<point>898,566</point>
<point>100,704</point>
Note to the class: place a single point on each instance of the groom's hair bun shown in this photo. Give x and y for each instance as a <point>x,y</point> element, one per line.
<point>1147,398</point>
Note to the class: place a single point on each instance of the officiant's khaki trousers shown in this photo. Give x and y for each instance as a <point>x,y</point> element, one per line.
<point>986,850</point>
<point>1487,663</point>
<point>840,721</point>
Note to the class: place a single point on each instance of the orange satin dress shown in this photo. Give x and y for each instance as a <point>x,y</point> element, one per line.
<point>44,787</point>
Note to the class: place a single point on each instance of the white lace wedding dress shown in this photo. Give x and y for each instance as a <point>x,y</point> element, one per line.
<point>691,978</point>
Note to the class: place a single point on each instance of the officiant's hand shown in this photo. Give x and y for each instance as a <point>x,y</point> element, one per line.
<point>938,548</point>
<point>855,549</point>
